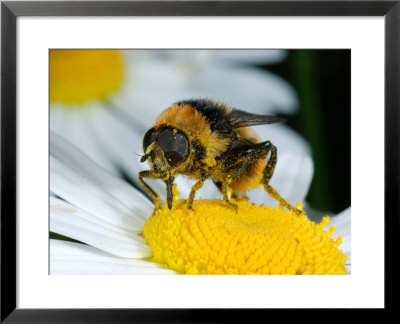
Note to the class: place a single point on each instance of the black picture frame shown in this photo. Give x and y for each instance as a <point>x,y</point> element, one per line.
<point>10,10</point>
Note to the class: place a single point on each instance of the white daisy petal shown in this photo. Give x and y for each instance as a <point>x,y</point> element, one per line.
<point>245,88</point>
<point>73,214</point>
<point>121,190</point>
<point>187,58</point>
<point>118,188</point>
<point>124,145</point>
<point>342,223</point>
<point>292,179</point>
<point>72,222</point>
<point>284,138</point>
<point>201,58</point>
<point>95,235</point>
<point>60,249</point>
<point>150,95</point>
<point>252,56</point>
<point>144,109</point>
<point>248,89</point>
<point>75,258</point>
<point>208,191</point>
<point>293,176</point>
<point>81,267</point>
<point>79,191</point>
<point>73,123</point>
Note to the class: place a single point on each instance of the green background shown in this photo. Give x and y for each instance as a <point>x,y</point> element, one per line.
<point>322,80</point>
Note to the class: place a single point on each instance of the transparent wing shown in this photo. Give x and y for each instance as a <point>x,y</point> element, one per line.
<point>240,118</point>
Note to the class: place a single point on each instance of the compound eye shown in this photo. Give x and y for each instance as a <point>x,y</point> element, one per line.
<point>149,138</point>
<point>175,145</point>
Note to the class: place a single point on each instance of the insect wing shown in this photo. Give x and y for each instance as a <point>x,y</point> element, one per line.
<point>240,118</point>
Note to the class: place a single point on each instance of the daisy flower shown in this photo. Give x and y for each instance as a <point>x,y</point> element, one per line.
<point>95,207</point>
<point>103,101</point>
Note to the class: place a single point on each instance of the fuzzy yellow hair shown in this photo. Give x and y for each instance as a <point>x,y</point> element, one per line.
<point>195,126</point>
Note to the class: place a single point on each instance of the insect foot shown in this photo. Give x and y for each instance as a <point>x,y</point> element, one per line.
<point>232,205</point>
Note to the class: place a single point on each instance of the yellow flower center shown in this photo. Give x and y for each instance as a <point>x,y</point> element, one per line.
<point>214,239</point>
<point>80,76</point>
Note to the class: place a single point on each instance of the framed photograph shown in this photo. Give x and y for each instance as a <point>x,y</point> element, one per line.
<point>179,155</point>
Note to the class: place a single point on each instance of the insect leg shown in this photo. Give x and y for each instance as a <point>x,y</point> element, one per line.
<point>224,190</point>
<point>233,165</point>
<point>234,195</point>
<point>195,187</point>
<point>170,193</point>
<point>151,175</point>
<point>269,171</point>
<point>238,159</point>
